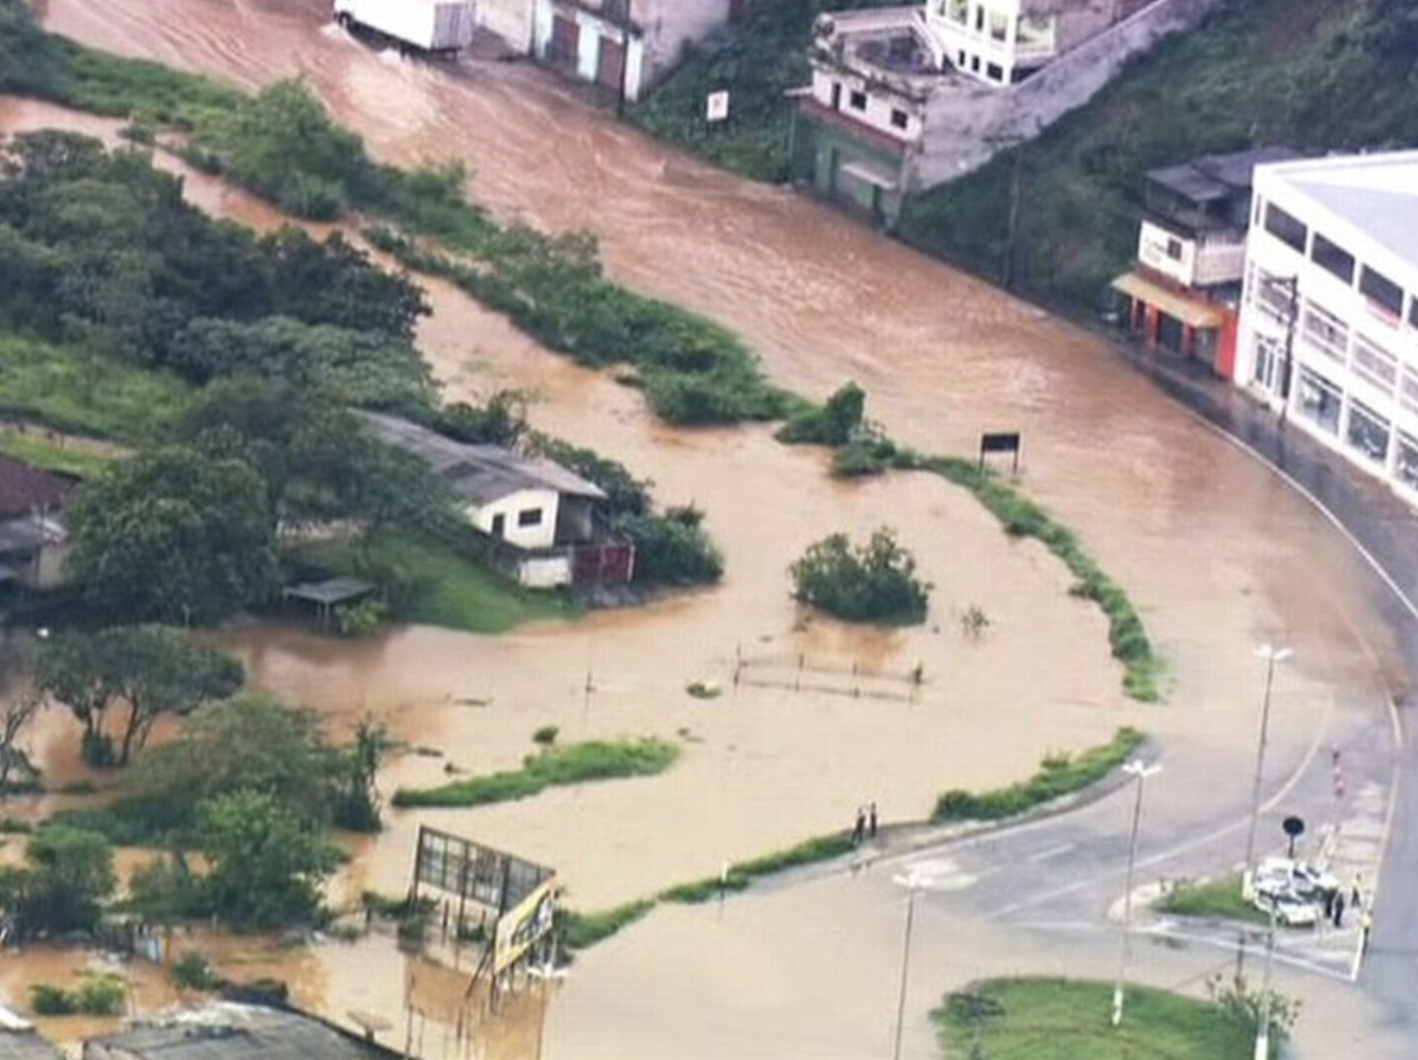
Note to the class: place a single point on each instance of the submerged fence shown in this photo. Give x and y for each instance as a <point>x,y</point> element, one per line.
<point>800,673</point>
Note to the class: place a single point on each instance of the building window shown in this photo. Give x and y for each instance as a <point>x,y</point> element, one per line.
<point>1289,230</point>
<point>619,10</point>
<point>1383,294</point>
<point>974,64</point>
<point>1174,248</point>
<point>1367,433</point>
<point>499,525</point>
<point>1320,400</point>
<point>1375,363</point>
<point>1275,295</point>
<point>995,72</point>
<point>900,119</point>
<point>529,517</point>
<point>1413,312</point>
<point>1408,390</point>
<point>1333,259</point>
<point>857,101</point>
<point>1406,467</point>
<point>1325,332</point>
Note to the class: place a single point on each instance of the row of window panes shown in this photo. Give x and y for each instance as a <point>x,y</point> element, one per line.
<point>1375,363</point>
<point>1408,390</point>
<point>857,100</point>
<point>1366,432</point>
<point>1383,294</point>
<point>1325,332</point>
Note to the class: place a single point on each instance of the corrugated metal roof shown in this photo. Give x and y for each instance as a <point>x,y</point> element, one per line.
<point>225,1030</point>
<point>26,1045</point>
<point>479,473</point>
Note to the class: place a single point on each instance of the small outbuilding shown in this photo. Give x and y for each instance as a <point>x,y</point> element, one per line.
<point>33,541</point>
<point>536,521</point>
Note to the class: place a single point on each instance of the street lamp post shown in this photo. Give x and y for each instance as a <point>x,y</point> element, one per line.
<point>1141,771</point>
<point>912,881</point>
<point>1263,1020</point>
<point>1271,655</point>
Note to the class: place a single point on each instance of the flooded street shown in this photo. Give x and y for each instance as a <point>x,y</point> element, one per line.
<point>1215,553</point>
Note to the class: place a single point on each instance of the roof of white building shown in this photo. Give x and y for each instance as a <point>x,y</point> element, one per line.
<point>1376,193</point>
<point>481,474</point>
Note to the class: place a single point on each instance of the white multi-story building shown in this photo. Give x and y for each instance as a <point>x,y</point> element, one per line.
<point>1328,332</point>
<point>905,98</point>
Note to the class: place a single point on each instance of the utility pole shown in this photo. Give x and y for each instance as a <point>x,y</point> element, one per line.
<point>1271,655</point>
<point>1141,771</point>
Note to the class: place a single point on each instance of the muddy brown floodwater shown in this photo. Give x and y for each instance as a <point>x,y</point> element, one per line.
<point>1215,553</point>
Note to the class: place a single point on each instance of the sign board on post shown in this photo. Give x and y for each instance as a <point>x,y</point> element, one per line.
<point>522,926</point>
<point>1000,442</point>
<point>716,106</point>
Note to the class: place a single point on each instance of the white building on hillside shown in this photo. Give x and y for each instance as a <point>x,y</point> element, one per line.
<point>625,46</point>
<point>1328,330</point>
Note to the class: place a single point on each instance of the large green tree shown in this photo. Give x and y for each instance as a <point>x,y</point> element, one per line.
<point>67,877</point>
<point>249,742</point>
<point>145,672</point>
<point>266,865</point>
<point>174,535</point>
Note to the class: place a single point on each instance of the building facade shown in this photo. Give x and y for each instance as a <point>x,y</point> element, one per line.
<point>905,98</point>
<point>1329,316</point>
<point>624,46</point>
<point>1184,291</point>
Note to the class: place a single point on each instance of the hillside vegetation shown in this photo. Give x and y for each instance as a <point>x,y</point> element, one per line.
<point>1317,75</point>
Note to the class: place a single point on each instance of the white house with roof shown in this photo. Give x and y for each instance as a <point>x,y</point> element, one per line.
<point>1328,331</point>
<point>539,519</point>
<point>906,98</point>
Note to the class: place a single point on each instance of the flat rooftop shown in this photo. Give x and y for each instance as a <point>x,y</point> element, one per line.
<point>1376,193</point>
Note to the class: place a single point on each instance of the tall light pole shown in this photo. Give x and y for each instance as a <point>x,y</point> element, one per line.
<point>912,881</point>
<point>1141,771</point>
<point>1263,1019</point>
<point>1271,655</point>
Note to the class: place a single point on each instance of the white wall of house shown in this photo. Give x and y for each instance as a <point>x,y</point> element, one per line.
<point>872,105</point>
<point>1353,362</point>
<point>1214,259</point>
<point>527,518</point>
<point>666,27</point>
<point>545,572</point>
<point>511,20</point>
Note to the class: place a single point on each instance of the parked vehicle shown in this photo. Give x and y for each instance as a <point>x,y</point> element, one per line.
<point>1290,909</point>
<point>1283,876</point>
<point>441,28</point>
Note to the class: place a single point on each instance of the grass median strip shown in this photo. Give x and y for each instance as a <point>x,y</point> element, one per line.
<point>1061,1019</point>
<point>1214,899</point>
<point>1058,774</point>
<point>577,763</point>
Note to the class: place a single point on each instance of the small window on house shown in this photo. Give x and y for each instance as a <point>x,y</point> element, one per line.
<point>900,119</point>
<point>1385,295</point>
<point>1334,259</point>
<point>1289,230</point>
<point>995,72</point>
<point>858,101</point>
<point>529,517</point>
<point>499,525</point>
<point>1413,312</point>
<point>979,18</point>
<point>1174,249</point>
<point>960,60</point>
<point>974,64</point>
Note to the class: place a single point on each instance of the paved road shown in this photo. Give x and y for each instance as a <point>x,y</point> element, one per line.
<point>1066,875</point>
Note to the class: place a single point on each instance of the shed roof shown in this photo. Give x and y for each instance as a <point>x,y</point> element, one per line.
<point>1214,177</point>
<point>225,1030</point>
<point>24,488</point>
<point>479,473</point>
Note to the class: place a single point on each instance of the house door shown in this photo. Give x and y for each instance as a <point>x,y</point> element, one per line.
<point>499,526</point>
<point>610,67</point>
<point>565,40</point>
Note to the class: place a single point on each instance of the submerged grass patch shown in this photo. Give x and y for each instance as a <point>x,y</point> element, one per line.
<point>1215,899</point>
<point>577,763</point>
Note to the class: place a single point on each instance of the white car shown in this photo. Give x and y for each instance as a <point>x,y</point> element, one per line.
<point>1290,909</point>
<point>1283,876</point>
